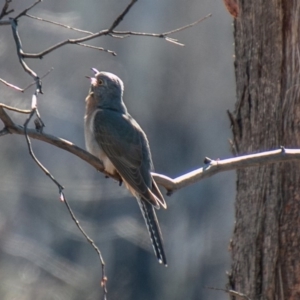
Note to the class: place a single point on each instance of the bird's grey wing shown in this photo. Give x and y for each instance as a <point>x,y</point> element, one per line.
<point>125,144</point>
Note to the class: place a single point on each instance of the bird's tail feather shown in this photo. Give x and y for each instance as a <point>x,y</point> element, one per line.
<point>153,229</point>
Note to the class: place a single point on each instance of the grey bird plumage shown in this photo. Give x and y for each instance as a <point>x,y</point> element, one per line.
<point>113,136</point>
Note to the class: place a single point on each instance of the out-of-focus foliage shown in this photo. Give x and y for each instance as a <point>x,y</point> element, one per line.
<point>179,95</point>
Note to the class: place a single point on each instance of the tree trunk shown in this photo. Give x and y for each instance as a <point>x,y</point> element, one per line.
<point>266,240</point>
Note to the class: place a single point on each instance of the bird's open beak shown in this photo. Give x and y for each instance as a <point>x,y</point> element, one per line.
<point>95,71</point>
<point>92,79</point>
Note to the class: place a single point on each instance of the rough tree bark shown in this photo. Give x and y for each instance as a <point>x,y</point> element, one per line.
<point>266,240</point>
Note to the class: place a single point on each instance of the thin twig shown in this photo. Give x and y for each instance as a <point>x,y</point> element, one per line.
<point>44,169</point>
<point>97,48</point>
<point>121,16</point>
<point>113,33</point>
<point>230,292</point>
<point>8,123</point>
<point>66,42</point>
<point>27,9</point>
<point>28,86</point>
<point>187,26</point>
<point>83,39</point>
<point>163,34</point>
<point>58,24</point>
<point>42,77</point>
<point>14,26</point>
<point>11,85</point>
<point>173,41</point>
<point>5,10</point>
<point>104,278</point>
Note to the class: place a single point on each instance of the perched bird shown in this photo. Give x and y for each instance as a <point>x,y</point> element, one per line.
<point>112,135</point>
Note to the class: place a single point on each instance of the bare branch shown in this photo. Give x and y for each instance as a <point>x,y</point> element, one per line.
<point>59,24</point>
<point>4,22</point>
<point>60,44</point>
<point>79,40</point>
<point>27,9</point>
<point>11,85</point>
<point>171,185</point>
<point>112,33</point>
<point>41,166</point>
<point>27,132</point>
<point>14,26</point>
<point>173,41</point>
<point>28,86</point>
<point>50,139</point>
<point>21,111</point>
<point>216,166</point>
<point>187,26</point>
<point>5,10</point>
<point>98,48</point>
<point>231,293</point>
<point>121,16</point>
<point>104,278</point>
<point>163,35</point>
<point>42,77</point>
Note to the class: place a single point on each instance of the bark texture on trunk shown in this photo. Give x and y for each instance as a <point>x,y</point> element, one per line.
<point>266,240</point>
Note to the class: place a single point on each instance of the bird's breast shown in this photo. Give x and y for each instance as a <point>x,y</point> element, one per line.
<point>92,145</point>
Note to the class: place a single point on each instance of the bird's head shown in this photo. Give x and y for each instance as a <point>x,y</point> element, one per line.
<point>107,89</point>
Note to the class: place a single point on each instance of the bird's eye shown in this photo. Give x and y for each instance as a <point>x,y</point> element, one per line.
<point>100,82</point>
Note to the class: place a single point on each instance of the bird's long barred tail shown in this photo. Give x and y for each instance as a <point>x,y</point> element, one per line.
<point>153,229</point>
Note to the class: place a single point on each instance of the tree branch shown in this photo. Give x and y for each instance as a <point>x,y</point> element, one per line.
<point>11,127</point>
<point>58,24</point>
<point>27,9</point>
<point>211,167</point>
<point>121,16</point>
<point>5,11</point>
<point>231,293</point>
<point>28,86</point>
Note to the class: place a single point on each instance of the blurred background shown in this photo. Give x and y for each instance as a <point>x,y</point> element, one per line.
<point>179,95</point>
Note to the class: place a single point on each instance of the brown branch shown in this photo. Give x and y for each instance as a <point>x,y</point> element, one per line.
<point>211,168</point>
